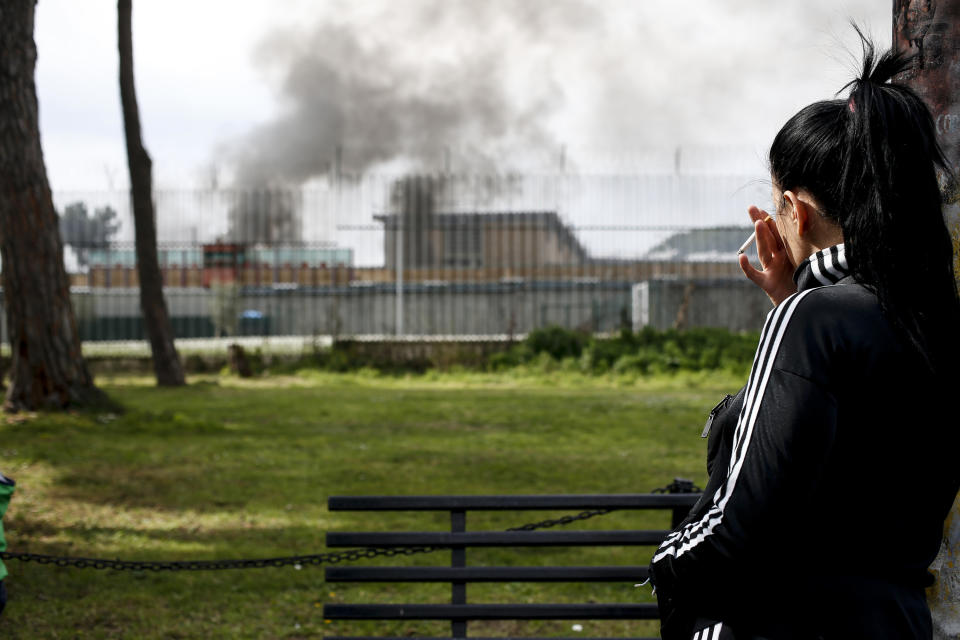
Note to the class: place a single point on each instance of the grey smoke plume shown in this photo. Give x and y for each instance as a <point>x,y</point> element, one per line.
<point>393,84</point>
<point>424,83</point>
<point>265,216</point>
<point>416,201</point>
<point>420,86</point>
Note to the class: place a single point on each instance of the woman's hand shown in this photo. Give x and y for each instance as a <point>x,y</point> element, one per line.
<point>776,276</point>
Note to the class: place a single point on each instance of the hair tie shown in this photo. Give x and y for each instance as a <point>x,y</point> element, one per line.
<point>851,105</point>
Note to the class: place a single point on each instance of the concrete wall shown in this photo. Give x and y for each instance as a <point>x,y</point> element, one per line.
<point>666,303</point>
<point>506,308</point>
<point>462,309</point>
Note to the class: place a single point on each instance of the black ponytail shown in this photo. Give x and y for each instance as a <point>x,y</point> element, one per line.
<point>871,161</point>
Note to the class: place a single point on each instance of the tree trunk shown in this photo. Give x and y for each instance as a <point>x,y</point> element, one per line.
<point>931,30</point>
<point>166,361</point>
<point>47,369</point>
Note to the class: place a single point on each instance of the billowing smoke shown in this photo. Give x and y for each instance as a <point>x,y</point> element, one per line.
<point>471,85</point>
<point>483,86</point>
<point>416,200</point>
<point>265,216</point>
<point>424,85</point>
<point>419,87</point>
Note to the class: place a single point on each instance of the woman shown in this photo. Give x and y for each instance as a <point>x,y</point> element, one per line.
<point>833,468</point>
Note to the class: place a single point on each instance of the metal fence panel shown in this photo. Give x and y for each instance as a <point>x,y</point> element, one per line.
<point>423,255</point>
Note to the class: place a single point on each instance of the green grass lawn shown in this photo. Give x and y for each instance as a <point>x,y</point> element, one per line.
<point>227,468</point>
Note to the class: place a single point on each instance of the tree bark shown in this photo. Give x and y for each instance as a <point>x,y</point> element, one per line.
<point>47,369</point>
<point>166,360</point>
<point>931,30</point>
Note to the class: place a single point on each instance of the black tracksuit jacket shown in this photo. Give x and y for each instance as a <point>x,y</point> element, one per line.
<point>831,473</point>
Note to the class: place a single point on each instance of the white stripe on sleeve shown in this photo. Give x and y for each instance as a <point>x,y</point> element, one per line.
<point>775,328</point>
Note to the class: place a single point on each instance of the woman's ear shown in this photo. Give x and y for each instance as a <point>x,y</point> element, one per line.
<point>798,213</point>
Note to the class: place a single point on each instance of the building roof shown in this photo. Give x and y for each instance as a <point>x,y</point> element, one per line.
<point>715,244</point>
<point>517,220</point>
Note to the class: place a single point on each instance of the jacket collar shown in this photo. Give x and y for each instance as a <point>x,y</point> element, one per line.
<point>825,267</point>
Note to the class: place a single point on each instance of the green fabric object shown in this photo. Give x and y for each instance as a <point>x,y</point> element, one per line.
<point>6,490</point>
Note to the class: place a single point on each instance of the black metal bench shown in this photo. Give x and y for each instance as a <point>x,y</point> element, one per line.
<point>458,612</point>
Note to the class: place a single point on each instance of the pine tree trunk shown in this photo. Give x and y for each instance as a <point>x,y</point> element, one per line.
<point>931,30</point>
<point>166,361</point>
<point>47,369</point>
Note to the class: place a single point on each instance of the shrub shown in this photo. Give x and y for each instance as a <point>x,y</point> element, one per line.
<point>550,349</point>
<point>560,343</point>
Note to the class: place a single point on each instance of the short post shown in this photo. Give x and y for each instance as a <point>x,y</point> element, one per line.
<point>679,485</point>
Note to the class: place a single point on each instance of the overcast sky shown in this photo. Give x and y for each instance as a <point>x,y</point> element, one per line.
<point>266,90</point>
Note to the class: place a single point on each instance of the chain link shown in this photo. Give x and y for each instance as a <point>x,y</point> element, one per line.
<point>679,485</point>
<point>297,562</point>
<point>543,524</point>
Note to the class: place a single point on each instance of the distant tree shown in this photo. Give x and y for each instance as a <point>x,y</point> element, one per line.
<point>166,360</point>
<point>84,232</point>
<point>47,369</point>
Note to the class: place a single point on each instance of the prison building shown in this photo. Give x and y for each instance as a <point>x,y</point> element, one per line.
<point>499,240</point>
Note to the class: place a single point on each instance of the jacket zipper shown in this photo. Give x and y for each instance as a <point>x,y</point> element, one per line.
<point>713,414</point>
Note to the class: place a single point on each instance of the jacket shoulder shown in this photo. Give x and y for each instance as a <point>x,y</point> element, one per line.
<point>823,328</point>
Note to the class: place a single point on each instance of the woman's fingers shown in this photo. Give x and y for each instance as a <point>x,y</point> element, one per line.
<point>771,226</point>
<point>774,280</point>
<point>766,242</point>
<point>756,213</point>
<point>753,274</point>
<point>775,274</point>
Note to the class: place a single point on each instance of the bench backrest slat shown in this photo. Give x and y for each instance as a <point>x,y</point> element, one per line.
<point>549,538</point>
<point>624,573</point>
<point>513,503</point>
<point>615,611</point>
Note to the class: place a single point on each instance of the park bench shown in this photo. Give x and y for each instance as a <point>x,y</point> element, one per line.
<point>458,539</point>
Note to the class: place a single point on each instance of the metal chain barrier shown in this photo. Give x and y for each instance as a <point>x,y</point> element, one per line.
<point>543,524</point>
<point>212,565</point>
<point>679,485</point>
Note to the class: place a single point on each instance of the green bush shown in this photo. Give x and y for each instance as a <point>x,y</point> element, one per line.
<point>560,343</point>
<point>549,349</point>
<point>512,357</point>
<point>646,351</point>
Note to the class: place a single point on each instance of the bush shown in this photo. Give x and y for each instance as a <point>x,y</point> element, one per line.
<point>560,343</point>
<point>652,351</point>
<point>635,363</point>
<point>512,357</point>
<point>550,349</point>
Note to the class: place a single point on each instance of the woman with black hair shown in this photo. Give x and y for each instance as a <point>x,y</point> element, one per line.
<point>833,469</point>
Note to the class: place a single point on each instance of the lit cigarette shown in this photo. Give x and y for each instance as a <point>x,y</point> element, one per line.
<point>753,236</point>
